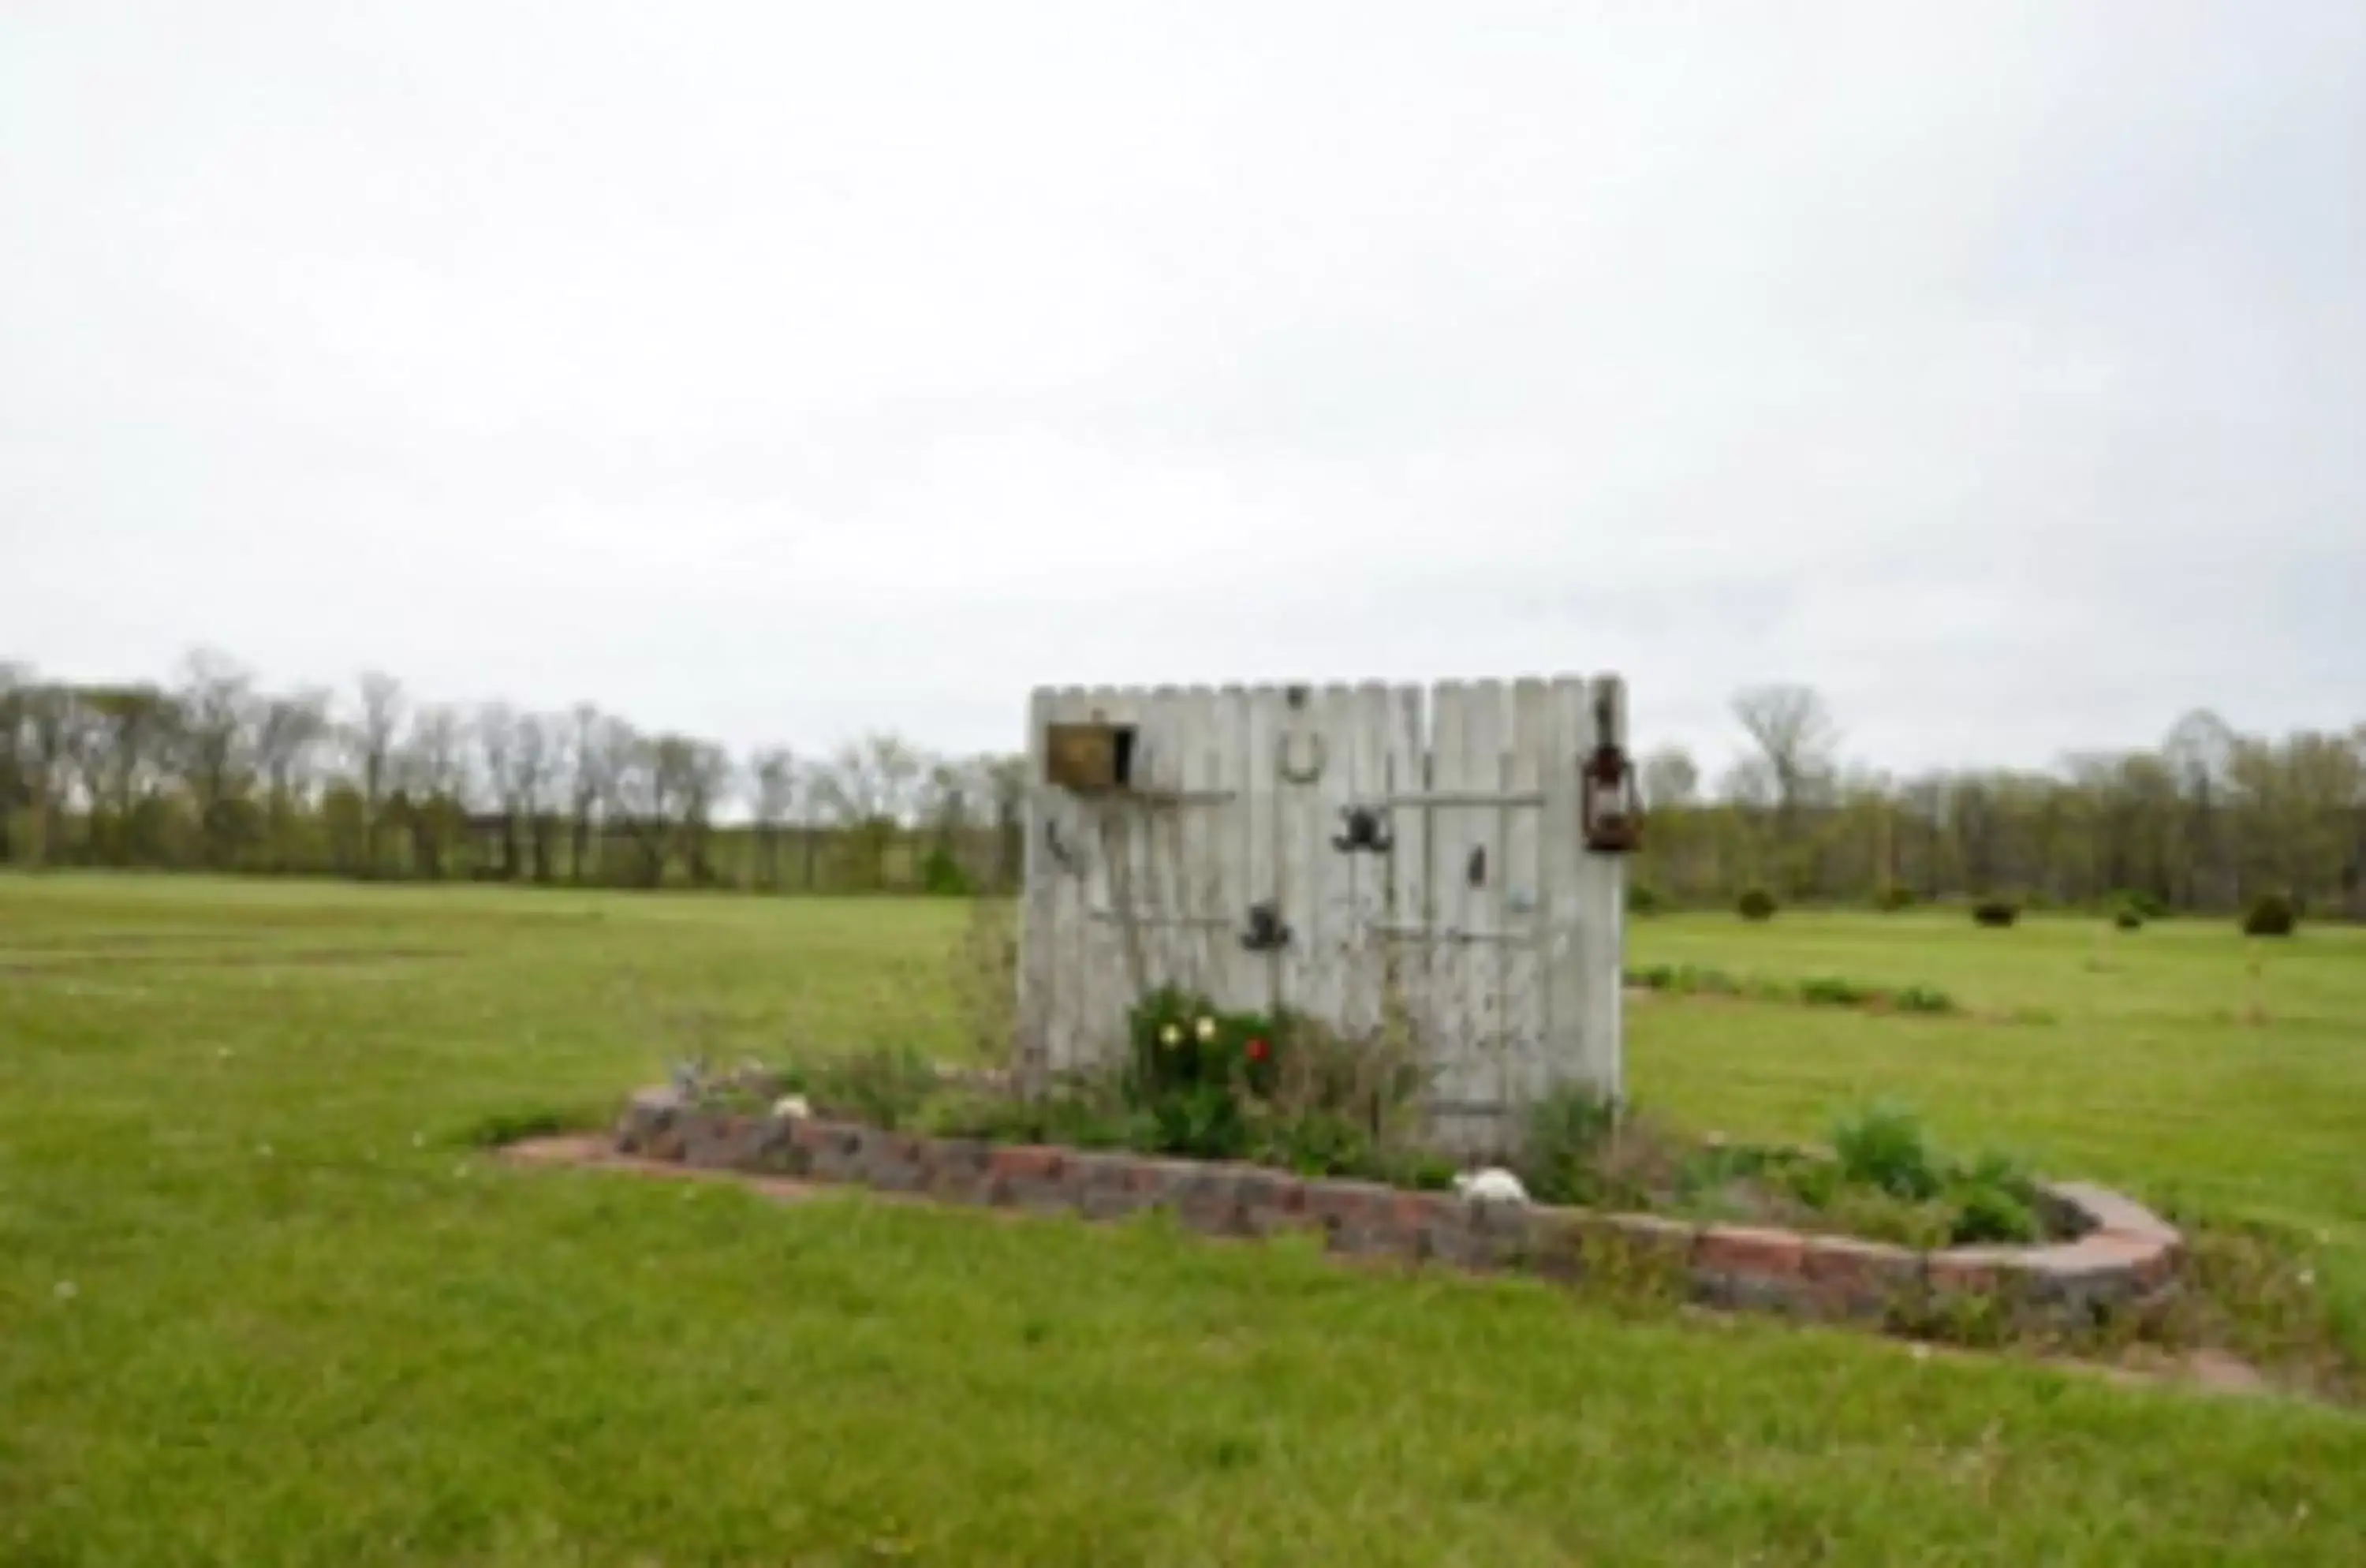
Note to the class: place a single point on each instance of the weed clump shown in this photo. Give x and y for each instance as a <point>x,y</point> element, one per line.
<point>2269,914</point>
<point>1755,903</point>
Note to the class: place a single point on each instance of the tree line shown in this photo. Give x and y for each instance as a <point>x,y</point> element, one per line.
<point>210,770</point>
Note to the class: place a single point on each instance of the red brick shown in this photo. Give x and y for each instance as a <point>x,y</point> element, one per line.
<point>1748,1250</point>
<point>1981,1269</point>
<point>1873,1265</point>
<point>1671,1239</point>
<point>1026,1162</point>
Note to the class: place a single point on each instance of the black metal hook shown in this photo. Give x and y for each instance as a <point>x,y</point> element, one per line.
<point>1364,830</point>
<point>1267,932</point>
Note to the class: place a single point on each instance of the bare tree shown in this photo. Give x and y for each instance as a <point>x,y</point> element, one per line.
<point>218,713</point>
<point>372,740</point>
<point>289,731</point>
<point>495,731</point>
<point>1669,778</point>
<point>432,777</point>
<point>593,755</point>
<point>871,791</point>
<point>1795,737</point>
<point>773,773</point>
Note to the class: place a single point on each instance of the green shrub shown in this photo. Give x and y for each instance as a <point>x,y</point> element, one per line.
<point>1883,1147</point>
<point>1892,896</point>
<point>1996,911</point>
<point>942,876</point>
<point>1830,990</point>
<point>2126,918</point>
<point>1642,898</point>
<point>2151,906</point>
<point>1755,903</point>
<point>1568,1127</point>
<point>1922,999</point>
<point>2269,914</point>
<point>1994,1202</point>
<point>886,1088</point>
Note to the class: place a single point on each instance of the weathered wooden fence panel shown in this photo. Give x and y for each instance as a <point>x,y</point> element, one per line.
<point>1223,863</point>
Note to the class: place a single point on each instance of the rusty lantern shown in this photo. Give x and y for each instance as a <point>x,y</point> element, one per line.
<point>1609,802</point>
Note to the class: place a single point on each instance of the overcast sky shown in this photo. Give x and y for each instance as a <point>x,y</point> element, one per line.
<point>775,371</point>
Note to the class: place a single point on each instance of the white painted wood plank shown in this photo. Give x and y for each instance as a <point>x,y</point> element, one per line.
<point>1562,851</point>
<point>1605,889</point>
<point>1072,896</point>
<point>1485,719</point>
<point>1301,762</point>
<point>1236,976</point>
<point>1261,972</point>
<point>1363,971</point>
<point>1407,958</point>
<point>1523,893</point>
<point>1195,839</point>
<point>1155,826</point>
<point>1451,832</point>
<point>1039,935</point>
<point>1116,958</point>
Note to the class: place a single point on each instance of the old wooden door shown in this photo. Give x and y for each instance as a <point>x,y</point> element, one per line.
<point>1420,848</point>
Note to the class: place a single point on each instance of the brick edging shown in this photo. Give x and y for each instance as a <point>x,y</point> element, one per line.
<point>2122,1253</point>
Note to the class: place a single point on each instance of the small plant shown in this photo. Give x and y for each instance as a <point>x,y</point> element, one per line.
<point>1892,896</point>
<point>884,1087</point>
<point>942,876</point>
<point>1642,898</point>
<point>1884,1146</point>
<point>1830,990</point>
<point>2150,906</point>
<point>1996,911</point>
<point>1568,1128</point>
<point>2125,918</point>
<point>2269,914</point>
<point>1922,999</point>
<point>1755,903</point>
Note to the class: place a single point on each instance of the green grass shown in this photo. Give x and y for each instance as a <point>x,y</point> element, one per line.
<point>372,1344</point>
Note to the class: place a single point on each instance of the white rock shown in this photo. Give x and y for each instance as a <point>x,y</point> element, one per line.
<point>1494,1184</point>
<point>792,1106</point>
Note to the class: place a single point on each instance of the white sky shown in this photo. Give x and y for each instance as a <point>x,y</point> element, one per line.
<point>776,371</point>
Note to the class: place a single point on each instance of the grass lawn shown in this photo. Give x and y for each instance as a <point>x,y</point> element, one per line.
<point>260,1302</point>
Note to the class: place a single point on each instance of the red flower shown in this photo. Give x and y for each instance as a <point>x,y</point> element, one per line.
<point>1259,1050</point>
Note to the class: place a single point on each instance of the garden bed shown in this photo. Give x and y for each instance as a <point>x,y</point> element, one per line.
<point>2104,1253</point>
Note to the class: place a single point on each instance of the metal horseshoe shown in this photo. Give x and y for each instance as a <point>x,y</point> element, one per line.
<point>1307,774</point>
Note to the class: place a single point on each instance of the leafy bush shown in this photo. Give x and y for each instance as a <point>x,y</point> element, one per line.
<point>1996,911</point>
<point>2150,906</point>
<point>1884,1146</point>
<point>1755,903</point>
<point>1830,990</point>
<point>1642,898</point>
<point>1922,999</point>
<point>884,1087</point>
<point>2126,918</point>
<point>942,876</point>
<point>2270,914</point>
<point>1568,1128</point>
<point>1994,1202</point>
<point>1892,896</point>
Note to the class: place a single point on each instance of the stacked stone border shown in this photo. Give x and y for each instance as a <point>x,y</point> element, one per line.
<point>2120,1256</point>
